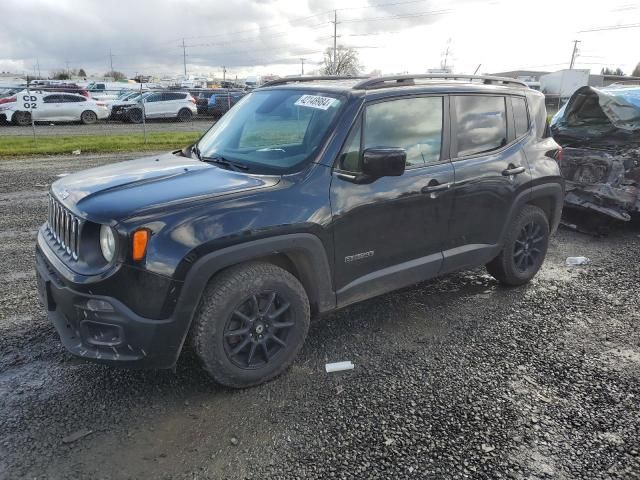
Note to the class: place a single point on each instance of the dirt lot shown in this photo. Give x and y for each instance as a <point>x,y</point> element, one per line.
<point>455,378</point>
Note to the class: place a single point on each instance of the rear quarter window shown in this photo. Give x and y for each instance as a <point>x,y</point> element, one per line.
<point>520,115</point>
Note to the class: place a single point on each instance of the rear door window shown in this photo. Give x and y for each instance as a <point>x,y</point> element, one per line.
<point>520,115</point>
<point>481,124</point>
<point>72,98</point>
<point>53,99</point>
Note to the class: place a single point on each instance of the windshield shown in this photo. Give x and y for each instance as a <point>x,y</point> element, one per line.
<point>272,130</point>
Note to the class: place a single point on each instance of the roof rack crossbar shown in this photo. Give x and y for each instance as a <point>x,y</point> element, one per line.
<point>403,80</point>
<point>283,81</point>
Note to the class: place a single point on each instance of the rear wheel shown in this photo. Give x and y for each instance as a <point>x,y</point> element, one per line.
<point>88,117</point>
<point>524,249</point>
<point>185,115</point>
<point>21,118</point>
<point>251,323</point>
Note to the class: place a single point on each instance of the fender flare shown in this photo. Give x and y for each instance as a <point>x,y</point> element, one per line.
<point>553,191</point>
<point>305,251</point>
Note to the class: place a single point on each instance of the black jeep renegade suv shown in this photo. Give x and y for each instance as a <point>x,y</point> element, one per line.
<point>310,194</point>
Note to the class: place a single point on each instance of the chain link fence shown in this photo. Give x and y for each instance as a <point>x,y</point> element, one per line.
<point>54,118</point>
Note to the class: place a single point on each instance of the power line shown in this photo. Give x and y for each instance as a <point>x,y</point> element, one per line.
<point>613,27</point>
<point>255,39</point>
<point>302,19</point>
<point>394,17</point>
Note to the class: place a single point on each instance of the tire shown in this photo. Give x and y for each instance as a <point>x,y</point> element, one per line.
<point>227,319</point>
<point>185,115</point>
<point>88,117</point>
<point>524,249</point>
<point>134,115</point>
<point>21,119</point>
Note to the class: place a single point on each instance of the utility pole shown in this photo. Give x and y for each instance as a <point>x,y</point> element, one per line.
<point>574,54</point>
<point>38,64</point>
<point>302,65</point>
<point>224,73</point>
<point>184,58</point>
<point>443,63</point>
<point>446,56</point>
<point>111,61</point>
<point>68,70</point>
<point>335,37</point>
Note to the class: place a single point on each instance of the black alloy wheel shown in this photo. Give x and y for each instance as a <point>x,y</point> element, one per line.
<point>528,247</point>
<point>257,330</point>
<point>524,248</point>
<point>251,324</point>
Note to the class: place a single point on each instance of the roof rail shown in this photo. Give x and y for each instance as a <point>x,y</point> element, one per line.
<point>283,81</point>
<point>407,80</point>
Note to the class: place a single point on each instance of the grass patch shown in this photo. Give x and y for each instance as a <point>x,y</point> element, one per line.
<point>14,146</point>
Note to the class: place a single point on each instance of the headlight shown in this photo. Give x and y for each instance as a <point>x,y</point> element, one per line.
<point>107,242</point>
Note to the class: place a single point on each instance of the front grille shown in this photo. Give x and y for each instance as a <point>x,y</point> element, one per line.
<point>64,228</point>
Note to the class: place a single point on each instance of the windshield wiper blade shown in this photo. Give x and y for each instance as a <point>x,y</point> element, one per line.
<point>223,162</point>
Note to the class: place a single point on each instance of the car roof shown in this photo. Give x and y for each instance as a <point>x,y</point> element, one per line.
<point>403,84</point>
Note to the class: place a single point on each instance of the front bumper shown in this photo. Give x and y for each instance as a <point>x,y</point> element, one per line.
<point>103,329</point>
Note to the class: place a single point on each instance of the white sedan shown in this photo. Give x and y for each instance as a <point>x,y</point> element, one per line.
<point>53,107</point>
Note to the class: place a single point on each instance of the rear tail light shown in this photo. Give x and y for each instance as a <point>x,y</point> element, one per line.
<point>101,104</point>
<point>557,154</point>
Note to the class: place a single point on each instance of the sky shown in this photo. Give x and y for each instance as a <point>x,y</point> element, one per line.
<point>261,37</point>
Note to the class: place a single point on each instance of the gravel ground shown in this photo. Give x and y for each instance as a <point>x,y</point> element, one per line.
<point>199,124</point>
<point>454,378</point>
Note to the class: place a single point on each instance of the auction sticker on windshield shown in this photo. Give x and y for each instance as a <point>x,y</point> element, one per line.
<point>315,101</point>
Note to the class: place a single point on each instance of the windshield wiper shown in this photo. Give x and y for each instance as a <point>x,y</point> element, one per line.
<point>224,163</point>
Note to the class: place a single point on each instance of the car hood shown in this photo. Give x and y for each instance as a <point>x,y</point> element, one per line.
<point>114,192</point>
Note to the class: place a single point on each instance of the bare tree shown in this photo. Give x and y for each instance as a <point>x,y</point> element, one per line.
<point>115,75</point>
<point>346,62</point>
<point>60,75</point>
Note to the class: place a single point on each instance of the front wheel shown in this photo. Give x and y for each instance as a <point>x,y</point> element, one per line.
<point>251,323</point>
<point>524,250</point>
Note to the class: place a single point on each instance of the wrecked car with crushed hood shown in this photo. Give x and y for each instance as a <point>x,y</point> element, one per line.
<point>599,129</point>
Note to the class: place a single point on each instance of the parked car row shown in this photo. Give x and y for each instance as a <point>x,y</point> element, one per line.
<point>53,107</point>
<point>70,103</point>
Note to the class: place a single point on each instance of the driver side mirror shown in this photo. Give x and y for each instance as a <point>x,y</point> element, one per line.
<point>380,162</point>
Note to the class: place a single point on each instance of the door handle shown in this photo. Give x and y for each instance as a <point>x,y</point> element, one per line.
<point>434,187</point>
<point>513,170</point>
